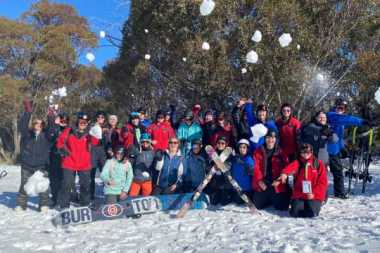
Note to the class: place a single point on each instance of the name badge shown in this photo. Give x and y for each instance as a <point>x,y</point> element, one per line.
<point>306,186</point>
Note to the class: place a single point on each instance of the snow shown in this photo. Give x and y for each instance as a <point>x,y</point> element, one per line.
<point>377,95</point>
<point>285,39</point>
<point>207,6</point>
<point>36,184</point>
<point>252,57</point>
<point>298,46</point>
<point>90,57</point>
<point>184,59</point>
<point>243,70</point>
<point>146,30</point>
<point>257,36</point>
<point>320,77</point>
<point>205,46</point>
<point>147,56</point>
<point>351,225</point>
<point>102,34</point>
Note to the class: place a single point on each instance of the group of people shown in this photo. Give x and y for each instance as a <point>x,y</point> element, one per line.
<point>278,163</point>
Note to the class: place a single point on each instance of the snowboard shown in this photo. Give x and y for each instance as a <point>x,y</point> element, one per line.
<point>132,207</point>
<point>227,174</point>
<point>198,192</point>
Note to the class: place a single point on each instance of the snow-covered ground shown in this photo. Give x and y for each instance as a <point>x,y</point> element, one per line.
<point>343,226</point>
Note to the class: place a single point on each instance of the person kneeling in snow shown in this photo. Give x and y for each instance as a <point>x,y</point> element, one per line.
<point>117,175</point>
<point>35,150</point>
<point>270,160</point>
<point>195,167</point>
<point>310,183</point>
<point>242,170</point>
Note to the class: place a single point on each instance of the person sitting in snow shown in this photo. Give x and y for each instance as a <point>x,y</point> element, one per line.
<point>270,160</point>
<point>35,150</point>
<point>242,170</point>
<point>195,167</point>
<point>117,175</point>
<point>310,183</point>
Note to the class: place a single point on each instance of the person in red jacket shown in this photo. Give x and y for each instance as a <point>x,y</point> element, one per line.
<point>289,128</point>
<point>223,129</point>
<point>269,162</point>
<point>132,131</point>
<point>160,132</point>
<point>74,145</point>
<point>310,183</point>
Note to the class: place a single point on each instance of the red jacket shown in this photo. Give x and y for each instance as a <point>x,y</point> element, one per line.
<point>315,173</point>
<point>279,161</point>
<point>78,149</point>
<point>128,135</point>
<point>161,133</point>
<point>225,131</point>
<point>288,131</point>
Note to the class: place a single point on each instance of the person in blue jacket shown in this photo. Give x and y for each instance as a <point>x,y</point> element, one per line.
<point>171,170</point>
<point>195,167</point>
<point>242,170</point>
<point>338,119</point>
<point>261,117</point>
<point>188,132</point>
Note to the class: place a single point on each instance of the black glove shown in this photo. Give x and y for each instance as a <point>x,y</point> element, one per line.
<point>63,152</point>
<point>326,131</point>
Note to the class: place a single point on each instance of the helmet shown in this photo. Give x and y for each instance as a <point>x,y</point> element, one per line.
<point>243,141</point>
<point>83,116</point>
<point>146,137</point>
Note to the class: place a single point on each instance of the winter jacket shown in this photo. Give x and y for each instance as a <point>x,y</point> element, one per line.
<point>338,122</point>
<point>195,169</point>
<point>288,131</point>
<point>208,129</point>
<point>146,123</point>
<point>312,170</point>
<point>75,147</point>
<point>187,134</point>
<point>242,171</point>
<point>252,120</point>
<point>142,163</point>
<point>225,131</point>
<point>119,173</point>
<point>171,170</point>
<point>160,133</point>
<point>112,138</point>
<point>279,161</point>
<point>131,134</point>
<point>35,149</point>
<point>315,135</point>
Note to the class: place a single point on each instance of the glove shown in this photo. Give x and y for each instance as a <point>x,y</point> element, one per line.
<point>326,131</point>
<point>63,152</point>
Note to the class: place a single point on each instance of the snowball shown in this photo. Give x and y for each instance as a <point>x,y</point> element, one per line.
<point>36,184</point>
<point>56,107</point>
<point>257,36</point>
<point>55,92</point>
<point>96,131</point>
<point>51,98</point>
<point>184,59</point>
<point>252,57</point>
<point>62,92</point>
<point>205,46</point>
<point>320,77</point>
<point>207,6</point>
<point>146,30</point>
<point>147,56</point>
<point>243,70</point>
<point>90,57</point>
<point>145,174</point>
<point>285,39</point>
<point>298,46</point>
<point>377,96</point>
<point>338,94</point>
<point>258,131</point>
<point>102,34</point>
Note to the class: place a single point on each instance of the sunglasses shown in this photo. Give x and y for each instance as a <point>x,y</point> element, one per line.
<point>221,143</point>
<point>173,142</point>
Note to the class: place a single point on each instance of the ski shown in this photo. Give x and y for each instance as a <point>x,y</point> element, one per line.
<point>223,156</point>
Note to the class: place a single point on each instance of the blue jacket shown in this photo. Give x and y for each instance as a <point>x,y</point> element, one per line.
<point>253,120</point>
<point>242,171</point>
<point>171,170</point>
<point>195,169</point>
<point>338,122</point>
<point>187,134</point>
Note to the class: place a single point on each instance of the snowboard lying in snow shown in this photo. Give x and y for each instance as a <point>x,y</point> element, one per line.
<point>131,207</point>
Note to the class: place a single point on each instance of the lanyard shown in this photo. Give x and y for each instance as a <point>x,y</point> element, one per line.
<point>306,170</point>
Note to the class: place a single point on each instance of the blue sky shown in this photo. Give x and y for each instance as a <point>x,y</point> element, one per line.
<point>107,15</point>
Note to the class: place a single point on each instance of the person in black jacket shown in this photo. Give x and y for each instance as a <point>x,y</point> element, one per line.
<point>35,149</point>
<point>239,119</point>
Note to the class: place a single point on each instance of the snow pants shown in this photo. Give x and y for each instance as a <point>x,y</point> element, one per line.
<point>269,197</point>
<point>141,188</point>
<point>68,186</point>
<point>305,208</point>
<point>336,169</point>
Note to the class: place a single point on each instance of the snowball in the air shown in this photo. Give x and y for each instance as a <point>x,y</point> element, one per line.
<point>257,36</point>
<point>184,59</point>
<point>147,56</point>
<point>320,77</point>
<point>90,57</point>
<point>205,46</point>
<point>146,30</point>
<point>207,6</point>
<point>102,34</point>
<point>377,96</point>
<point>252,57</point>
<point>62,92</point>
<point>243,70</point>
<point>285,39</point>
<point>298,46</point>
